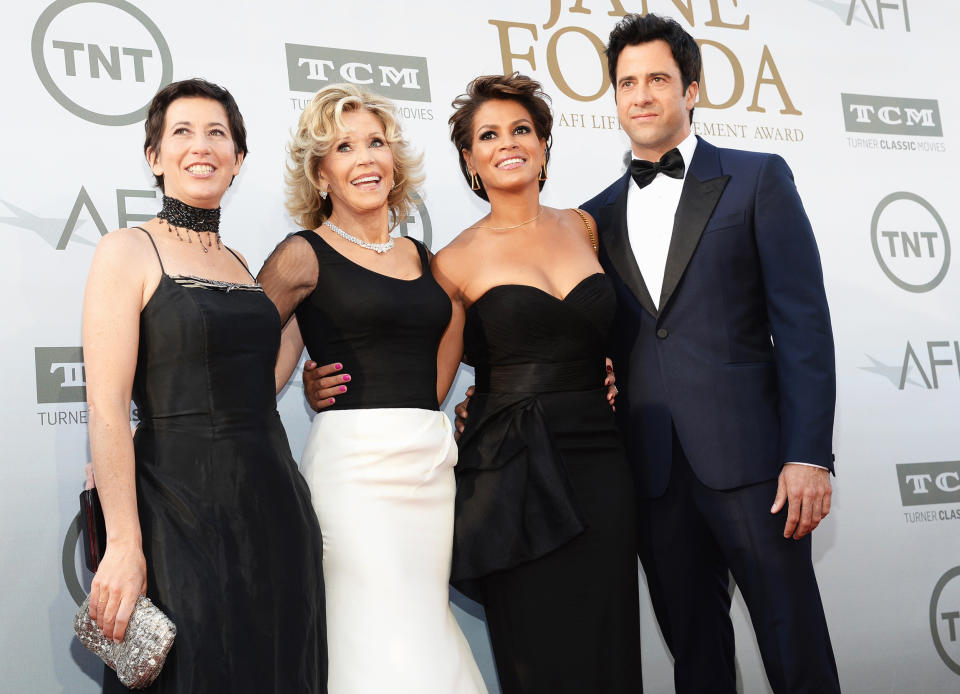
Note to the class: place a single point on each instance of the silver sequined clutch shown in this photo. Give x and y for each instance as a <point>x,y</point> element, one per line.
<point>138,658</point>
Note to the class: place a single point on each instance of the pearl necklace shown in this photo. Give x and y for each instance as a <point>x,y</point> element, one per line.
<point>377,247</point>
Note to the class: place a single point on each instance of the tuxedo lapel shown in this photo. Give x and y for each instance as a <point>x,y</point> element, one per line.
<point>614,235</point>
<point>702,188</point>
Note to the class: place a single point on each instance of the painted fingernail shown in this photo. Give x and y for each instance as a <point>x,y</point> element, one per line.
<point>342,389</point>
<point>345,377</point>
<point>609,369</point>
<point>331,401</point>
<point>338,366</point>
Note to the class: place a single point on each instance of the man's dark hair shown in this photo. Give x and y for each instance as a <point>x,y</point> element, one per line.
<point>196,87</point>
<point>635,29</point>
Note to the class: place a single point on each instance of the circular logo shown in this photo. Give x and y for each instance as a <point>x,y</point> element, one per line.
<point>69,561</point>
<point>945,618</point>
<point>911,245</point>
<point>417,224</point>
<point>102,60</point>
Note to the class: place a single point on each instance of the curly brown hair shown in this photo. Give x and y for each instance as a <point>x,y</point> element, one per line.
<point>516,87</point>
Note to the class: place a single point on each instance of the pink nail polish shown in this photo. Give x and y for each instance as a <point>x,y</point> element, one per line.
<point>331,401</point>
<point>338,366</point>
<point>342,389</point>
<point>346,377</point>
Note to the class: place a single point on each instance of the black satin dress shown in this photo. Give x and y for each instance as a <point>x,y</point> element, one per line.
<point>232,545</point>
<point>545,524</point>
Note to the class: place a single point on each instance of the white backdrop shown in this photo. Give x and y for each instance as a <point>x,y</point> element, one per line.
<point>855,94</point>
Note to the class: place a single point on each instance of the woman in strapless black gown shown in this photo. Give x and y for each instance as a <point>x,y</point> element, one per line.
<point>545,529</point>
<point>206,512</point>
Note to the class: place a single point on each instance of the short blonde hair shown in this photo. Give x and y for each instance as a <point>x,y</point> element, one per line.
<point>320,125</point>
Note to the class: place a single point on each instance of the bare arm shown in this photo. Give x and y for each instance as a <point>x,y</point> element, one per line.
<point>450,352</point>
<point>113,299</point>
<point>291,347</point>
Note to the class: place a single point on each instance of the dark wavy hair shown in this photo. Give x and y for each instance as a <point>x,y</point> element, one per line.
<point>184,89</point>
<point>516,87</point>
<point>635,29</point>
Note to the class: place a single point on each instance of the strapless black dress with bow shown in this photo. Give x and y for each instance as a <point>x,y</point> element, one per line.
<point>545,521</point>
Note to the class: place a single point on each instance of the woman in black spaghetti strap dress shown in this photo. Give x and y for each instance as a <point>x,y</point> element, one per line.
<point>545,529</point>
<point>205,509</point>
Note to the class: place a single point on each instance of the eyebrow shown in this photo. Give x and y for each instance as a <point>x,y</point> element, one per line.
<point>516,122</point>
<point>184,122</point>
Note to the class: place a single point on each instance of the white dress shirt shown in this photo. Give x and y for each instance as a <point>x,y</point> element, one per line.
<point>650,213</point>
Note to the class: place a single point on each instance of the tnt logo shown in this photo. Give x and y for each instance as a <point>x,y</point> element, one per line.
<point>60,375</point>
<point>945,618</point>
<point>910,242</point>
<point>402,77</point>
<point>102,60</point>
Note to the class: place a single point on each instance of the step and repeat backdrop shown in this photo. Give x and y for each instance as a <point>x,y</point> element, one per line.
<point>857,95</point>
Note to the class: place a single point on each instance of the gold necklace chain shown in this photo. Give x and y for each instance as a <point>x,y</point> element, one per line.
<point>515,226</point>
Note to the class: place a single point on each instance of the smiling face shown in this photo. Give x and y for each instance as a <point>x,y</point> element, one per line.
<point>197,156</point>
<point>357,172</point>
<point>653,107</point>
<point>505,150</point>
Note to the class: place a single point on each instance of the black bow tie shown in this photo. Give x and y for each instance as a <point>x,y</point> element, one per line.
<point>670,164</point>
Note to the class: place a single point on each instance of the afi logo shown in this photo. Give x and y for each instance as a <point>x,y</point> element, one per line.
<point>396,76</point>
<point>60,375</point>
<point>880,5</point>
<point>102,60</point>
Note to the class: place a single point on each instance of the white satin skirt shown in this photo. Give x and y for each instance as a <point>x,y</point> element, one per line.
<point>383,488</point>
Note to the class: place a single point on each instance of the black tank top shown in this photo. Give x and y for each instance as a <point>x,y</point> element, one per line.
<point>385,331</point>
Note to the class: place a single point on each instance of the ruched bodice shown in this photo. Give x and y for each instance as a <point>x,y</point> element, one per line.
<point>203,352</point>
<point>518,324</point>
<point>385,331</point>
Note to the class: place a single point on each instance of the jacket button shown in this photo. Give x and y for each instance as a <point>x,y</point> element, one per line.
<point>662,333</point>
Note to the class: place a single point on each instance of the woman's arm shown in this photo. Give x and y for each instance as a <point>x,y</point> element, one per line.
<point>291,347</point>
<point>450,352</point>
<point>112,302</point>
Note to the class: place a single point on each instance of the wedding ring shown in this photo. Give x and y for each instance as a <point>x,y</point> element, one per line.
<point>616,390</point>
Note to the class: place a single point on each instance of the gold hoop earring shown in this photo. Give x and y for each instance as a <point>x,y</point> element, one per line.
<point>543,172</point>
<point>474,181</point>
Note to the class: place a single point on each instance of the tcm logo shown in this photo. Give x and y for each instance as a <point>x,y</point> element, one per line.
<point>891,115</point>
<point>945,618</point>
<point>929,483</point>
<point>102,60</point>
<point>861,8</point>
<point>60,375</point>
<point>402,77</point>
<point>910,242</point>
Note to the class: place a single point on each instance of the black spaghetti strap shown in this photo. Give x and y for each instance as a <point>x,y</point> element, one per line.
<point>154,244</point>
<point>240,260</point>
<point>424,256</point>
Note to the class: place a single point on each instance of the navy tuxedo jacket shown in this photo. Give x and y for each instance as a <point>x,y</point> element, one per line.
<point>738,357</point>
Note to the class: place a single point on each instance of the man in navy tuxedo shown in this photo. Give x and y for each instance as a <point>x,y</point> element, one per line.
<point>724,351</point>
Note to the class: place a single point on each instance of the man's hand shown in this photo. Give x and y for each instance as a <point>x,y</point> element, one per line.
<point>807,490</point>
<point>461,412</point>
<point>611,383</point>
<point>320,387</point>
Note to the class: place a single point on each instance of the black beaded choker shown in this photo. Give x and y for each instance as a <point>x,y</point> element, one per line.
<point>179,215</point>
